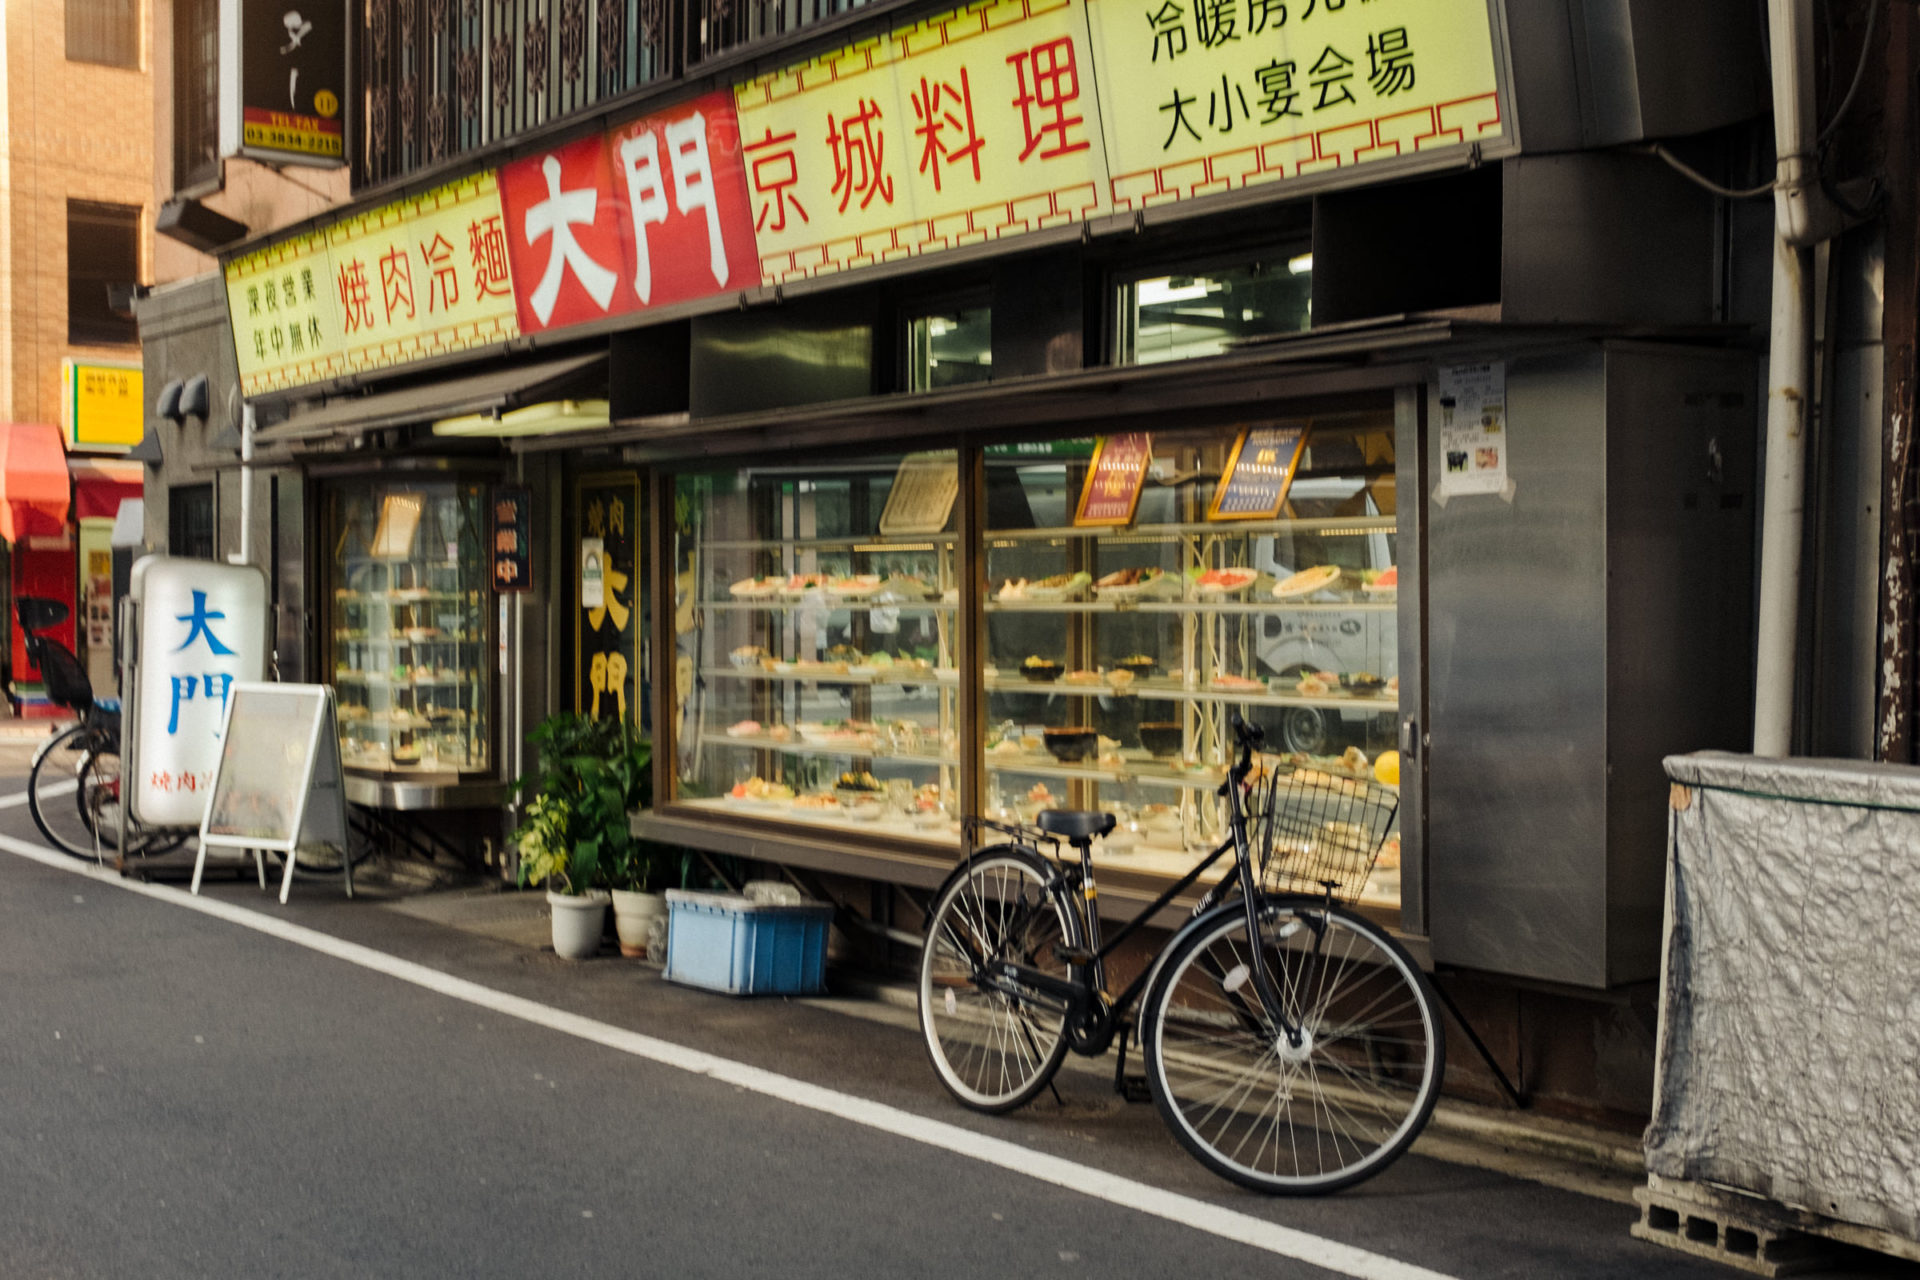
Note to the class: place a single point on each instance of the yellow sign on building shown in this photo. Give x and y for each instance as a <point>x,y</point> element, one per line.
<point>103,406</point>
<point>414,279</point>
<point>1204,96</point>
<point>975,125</point>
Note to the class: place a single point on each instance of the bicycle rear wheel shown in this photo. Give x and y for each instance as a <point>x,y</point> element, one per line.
<point>56,798</point>
<point>1277,1116</point>
<point>993,1051</point>
<point>100,799</point>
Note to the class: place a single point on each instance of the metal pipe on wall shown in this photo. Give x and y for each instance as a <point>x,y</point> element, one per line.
<point>245,554</point>
<point>1802,218</point>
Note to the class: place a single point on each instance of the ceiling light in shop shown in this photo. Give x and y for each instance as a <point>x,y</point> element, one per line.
<point>1300,264</point>
<point>1163,290</point>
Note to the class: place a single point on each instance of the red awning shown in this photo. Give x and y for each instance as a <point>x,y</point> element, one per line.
<point>33,481</point>
<point>100,485</point>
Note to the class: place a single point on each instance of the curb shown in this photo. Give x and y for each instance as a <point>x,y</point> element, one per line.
<point>1592,1161</point>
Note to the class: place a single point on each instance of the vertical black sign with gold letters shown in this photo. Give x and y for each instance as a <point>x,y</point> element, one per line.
<point>609,614</point>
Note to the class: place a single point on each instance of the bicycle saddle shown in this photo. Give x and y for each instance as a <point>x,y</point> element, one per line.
<point>1075,826</point>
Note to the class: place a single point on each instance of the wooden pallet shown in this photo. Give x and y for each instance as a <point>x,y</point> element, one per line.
<point>1749,1233</point>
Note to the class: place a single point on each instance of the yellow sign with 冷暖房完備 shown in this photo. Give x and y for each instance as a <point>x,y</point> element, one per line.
<point>104,405</point>
<point>1203,96</point>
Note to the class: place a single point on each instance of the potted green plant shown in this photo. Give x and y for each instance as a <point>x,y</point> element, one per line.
<point>576,838</point>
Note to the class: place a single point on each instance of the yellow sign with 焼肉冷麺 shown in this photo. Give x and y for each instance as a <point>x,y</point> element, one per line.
<point>418,278</point>
<point>1202,96</point>
<point>967,127</point>
<point>104,405</point>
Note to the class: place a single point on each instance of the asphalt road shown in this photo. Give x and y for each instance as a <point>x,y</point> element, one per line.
<point>185,1096</point>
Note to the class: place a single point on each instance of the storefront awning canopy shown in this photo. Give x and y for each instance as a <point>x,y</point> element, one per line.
<point>100,485</point>
<point>33,481</point>
<point>495,391</point>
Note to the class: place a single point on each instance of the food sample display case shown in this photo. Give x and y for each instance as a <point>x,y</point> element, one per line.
<point>822,686</point>
<point>409,633</point>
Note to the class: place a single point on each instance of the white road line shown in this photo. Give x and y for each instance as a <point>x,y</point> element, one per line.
<point>1186,1211</point>
<point>46,793</point>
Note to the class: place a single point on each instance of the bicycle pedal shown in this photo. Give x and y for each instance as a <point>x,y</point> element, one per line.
<point>1073,955</point>
<point>1135,1089</point>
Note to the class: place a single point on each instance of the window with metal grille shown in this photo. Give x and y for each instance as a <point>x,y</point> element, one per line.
<point>196,92</point>
<point>190,521</point>
<point>103,250</point>
<point>104,31</point>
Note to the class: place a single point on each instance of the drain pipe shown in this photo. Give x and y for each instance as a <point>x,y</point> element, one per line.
<point>245,554</point>
<point>1802,217</point>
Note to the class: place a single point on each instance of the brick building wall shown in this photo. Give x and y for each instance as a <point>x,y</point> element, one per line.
<point>68,130</point>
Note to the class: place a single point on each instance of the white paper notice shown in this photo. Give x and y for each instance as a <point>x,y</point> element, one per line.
<point>1472,400</point>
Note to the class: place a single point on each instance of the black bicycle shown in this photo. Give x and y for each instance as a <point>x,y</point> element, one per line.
<point>1291,1044</point>
<point>74,791</point>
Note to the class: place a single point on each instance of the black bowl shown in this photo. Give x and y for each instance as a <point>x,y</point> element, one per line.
<point>1071,746</point>
<point>1162,739</point>
<point>1042,673</point>
<point>1141,667</point>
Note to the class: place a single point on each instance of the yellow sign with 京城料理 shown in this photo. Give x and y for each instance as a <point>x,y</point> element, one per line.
<point>970,126</point>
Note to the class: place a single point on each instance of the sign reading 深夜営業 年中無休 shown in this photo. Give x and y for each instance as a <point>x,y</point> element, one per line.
<point>971,127</point>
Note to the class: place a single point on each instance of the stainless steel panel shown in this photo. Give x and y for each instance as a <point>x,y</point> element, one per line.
<point>1408,416</point>
<point>1516,690</point>
<point>1680,507</point>
<point>1598,237</point>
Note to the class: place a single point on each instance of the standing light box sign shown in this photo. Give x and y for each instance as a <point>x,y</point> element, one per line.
<point>202,630</point>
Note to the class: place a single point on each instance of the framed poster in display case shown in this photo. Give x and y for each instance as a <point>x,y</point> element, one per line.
<point>1259,472</point>
<point>1111,493</point>
<point>609,612</point>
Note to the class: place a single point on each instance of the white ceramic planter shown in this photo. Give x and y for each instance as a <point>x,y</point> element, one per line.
<point>633,915</point>
<point>578,919</point>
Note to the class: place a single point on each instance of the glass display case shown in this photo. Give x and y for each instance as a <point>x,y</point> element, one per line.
<point>409,630</point>
<point>1116,654</point>
<point>816,681</point>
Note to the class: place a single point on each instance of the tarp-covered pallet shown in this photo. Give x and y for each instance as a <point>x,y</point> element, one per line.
<point>1787,1099</point>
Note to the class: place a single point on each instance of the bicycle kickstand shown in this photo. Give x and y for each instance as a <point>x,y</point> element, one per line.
<point>1130,1088</point>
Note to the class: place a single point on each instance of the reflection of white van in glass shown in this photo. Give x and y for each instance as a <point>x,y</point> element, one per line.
<point>1295,642</point>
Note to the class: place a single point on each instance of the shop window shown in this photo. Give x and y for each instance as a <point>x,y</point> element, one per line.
<point>1205,312</point>
<point>952,347</point>
<point>410,626</point>
<point>104,31</point>
<point>190,522</point>
<point>1132,609</point>
<point>196,92</point>
<point>103,250</point>
<point>818,682</point>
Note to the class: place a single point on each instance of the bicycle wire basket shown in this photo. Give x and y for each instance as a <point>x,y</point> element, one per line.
<point>1316,830</point>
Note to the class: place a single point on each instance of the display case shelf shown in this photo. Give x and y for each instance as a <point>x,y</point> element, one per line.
<point>801,747</point>
<point>1166,532</point>
<point>1191,607</point>
<point>861,676</point>
<point>782,606</point>
<point>1150,691</point>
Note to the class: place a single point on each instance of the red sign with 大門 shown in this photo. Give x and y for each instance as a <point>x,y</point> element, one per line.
<point>653,213</point>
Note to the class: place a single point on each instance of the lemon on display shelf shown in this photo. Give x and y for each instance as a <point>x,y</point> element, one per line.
<point>1386,768</point>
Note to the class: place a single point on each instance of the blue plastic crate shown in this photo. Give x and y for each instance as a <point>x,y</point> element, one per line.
<point>723,942</point>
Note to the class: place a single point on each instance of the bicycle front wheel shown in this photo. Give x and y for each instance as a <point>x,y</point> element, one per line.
<point>994,1051</point>
<point>1293,1114</point>
<point>56,798</point>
